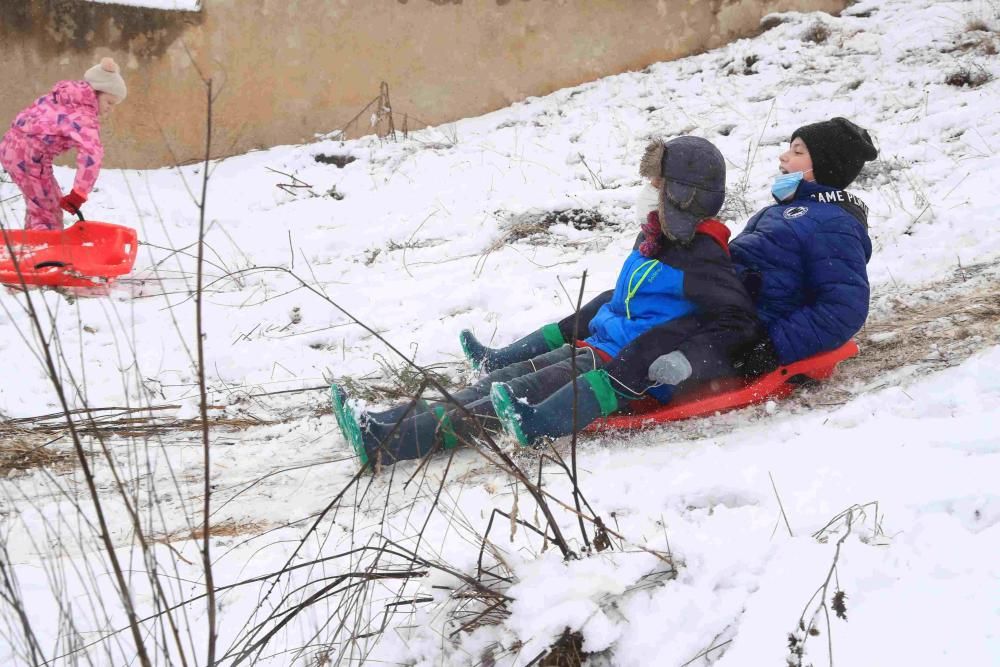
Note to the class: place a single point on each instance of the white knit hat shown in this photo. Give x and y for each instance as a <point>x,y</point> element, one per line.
<point>104,78</point>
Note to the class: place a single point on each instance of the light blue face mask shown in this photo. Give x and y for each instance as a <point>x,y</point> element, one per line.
<point>784,187</point>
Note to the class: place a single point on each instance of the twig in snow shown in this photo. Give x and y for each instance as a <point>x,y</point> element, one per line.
<point>782,507</point>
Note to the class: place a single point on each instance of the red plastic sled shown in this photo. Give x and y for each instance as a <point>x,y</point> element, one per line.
<point>728,394</point>
<point>85,254</point>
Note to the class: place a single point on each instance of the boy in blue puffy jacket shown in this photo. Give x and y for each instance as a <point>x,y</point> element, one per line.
<point>678,311</point>
<point>804,258</point>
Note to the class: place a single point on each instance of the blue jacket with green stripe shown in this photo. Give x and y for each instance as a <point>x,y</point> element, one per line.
<point>687,298</point>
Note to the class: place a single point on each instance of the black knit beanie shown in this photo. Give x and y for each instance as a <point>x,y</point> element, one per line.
<point>838,149</point>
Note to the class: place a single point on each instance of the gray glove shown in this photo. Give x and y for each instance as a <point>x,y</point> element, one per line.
<point>672,369</point>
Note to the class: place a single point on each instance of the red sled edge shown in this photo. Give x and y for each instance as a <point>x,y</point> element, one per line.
<point>728,394</point>
<point>98,268</point>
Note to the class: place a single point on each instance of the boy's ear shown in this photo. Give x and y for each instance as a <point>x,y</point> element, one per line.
<point>651,164</point>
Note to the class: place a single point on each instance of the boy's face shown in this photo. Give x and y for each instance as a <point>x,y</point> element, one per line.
<point>796,158</point>
<point>106,102</point>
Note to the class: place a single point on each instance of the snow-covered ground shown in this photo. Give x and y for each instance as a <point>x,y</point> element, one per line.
<point>722,529</point>
<point>181,5</point>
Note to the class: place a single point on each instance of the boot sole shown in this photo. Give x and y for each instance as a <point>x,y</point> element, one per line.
<point>503,404</point>
<point>348,423</point>
<point>463,339</point>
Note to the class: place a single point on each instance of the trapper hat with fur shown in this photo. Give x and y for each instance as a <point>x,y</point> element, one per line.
<point>694,183</point>
<point>838,149</point>
<point>105,77</point>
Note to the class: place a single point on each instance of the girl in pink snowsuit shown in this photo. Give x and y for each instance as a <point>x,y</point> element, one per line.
<point>67,117</point>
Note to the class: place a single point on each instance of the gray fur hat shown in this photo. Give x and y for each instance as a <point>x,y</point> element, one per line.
<point>694,183</point>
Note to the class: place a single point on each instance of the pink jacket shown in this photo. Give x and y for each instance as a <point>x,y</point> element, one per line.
<point>66,118</point>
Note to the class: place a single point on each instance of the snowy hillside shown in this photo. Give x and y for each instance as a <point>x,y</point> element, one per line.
<point>878,489</point>
<point>182,5</point>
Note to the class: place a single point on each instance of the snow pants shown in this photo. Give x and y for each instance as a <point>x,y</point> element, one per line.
<point>417,434</point>
<point>31,171</point>
<point>537,378</point>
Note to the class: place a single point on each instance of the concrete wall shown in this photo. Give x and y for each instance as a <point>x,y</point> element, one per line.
<point>285,70</point>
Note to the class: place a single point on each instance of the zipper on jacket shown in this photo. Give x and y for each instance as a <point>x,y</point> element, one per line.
<point>648,264</point>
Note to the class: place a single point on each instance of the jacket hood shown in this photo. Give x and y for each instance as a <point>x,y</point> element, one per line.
<point>78,94</point>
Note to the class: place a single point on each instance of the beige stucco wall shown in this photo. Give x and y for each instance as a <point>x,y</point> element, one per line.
<point>285,70</point>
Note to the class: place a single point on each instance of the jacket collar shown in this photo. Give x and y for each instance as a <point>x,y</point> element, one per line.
<point>852,204</point>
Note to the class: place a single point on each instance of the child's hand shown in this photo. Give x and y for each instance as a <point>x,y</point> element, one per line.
<point>670,369</point>
<point>72,202</point>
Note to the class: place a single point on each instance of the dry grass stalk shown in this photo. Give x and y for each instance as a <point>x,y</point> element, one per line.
<point>126,427</point>
<point>228,528</point>
<point>958,326</point>
<point>566,652</point>
<point>19,455</point>
<point>397,382</point>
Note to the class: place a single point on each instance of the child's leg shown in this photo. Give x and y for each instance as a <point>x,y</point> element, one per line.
<point>537,386</point>
<point>445,426</point>
<point>434,429</point>
<point>480,389</point>
<point>488,359</point>
<point>520,369</point>
<point>43,202</point>
<point>37,183</point>
<point>566,409</point>
<point>549,337</point>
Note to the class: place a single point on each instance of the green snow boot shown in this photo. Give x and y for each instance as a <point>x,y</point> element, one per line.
<point>487,359</point>
<point>348,422</point>
<point>553,417</point>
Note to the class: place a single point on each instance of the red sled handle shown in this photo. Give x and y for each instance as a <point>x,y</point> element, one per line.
<point>132,241</point>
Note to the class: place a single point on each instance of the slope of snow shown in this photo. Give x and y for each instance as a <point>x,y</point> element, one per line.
<point>411,245</point>
<point>179,5</point>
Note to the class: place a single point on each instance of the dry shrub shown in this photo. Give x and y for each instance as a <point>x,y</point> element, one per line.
<point>19,455</point>
<point>963,323</point>
<point>397,382</point>
<point>771,21</point>
<point>340,161</point>
<point>145,426</point>
<point>977,25</point>
<point>225,529</point>
<point>533,227</point>
<point>566,652</point>
<point>817,33</point>
<point>977,36</point>
<point>746,65</point>
<point>968,77</point>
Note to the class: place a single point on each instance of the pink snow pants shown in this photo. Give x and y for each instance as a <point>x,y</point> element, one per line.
<point>32,172</point>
